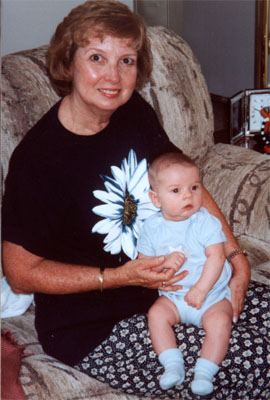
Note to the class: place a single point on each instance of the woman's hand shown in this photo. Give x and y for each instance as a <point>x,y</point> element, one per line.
<point>28,273</point>
<point>239,284</point>
<point>145,272</point>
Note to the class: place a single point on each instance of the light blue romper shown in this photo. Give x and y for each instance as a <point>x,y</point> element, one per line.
<point>191,237</point>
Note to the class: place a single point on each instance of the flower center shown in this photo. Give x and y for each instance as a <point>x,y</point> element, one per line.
<point>130,210</point>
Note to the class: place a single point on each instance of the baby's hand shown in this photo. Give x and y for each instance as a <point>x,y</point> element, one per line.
<point>174,260</point>
<point>195,297</point>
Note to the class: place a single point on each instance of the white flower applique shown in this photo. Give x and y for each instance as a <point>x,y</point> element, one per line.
<point>126,206</point>
<point>180,248</point>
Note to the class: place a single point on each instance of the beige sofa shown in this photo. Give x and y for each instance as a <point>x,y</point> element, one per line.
<point>238,179</point>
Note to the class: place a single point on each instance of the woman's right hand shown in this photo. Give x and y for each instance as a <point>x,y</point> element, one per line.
<point>29,273</point>
<point>144,272</point>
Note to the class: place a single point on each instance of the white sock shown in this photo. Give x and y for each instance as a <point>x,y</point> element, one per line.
<point>203,375</point>
<point>172,361</point>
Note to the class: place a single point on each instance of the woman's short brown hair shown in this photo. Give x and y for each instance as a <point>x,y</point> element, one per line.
<point>101,18</point>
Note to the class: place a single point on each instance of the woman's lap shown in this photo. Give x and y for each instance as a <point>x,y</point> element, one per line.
<point>127,361</point>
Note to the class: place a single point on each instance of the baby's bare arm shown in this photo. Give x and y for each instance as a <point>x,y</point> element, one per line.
<point>211,272</point>
<point>172,263</point>
<point>174,260</point>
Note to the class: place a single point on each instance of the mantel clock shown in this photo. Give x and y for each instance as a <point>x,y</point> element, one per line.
<point>250,117</point>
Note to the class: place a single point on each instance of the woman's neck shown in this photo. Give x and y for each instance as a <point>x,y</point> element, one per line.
<point>80,119</point>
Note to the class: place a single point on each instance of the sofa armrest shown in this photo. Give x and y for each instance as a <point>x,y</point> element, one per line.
<point>27,94</point>
<point>239,181</point>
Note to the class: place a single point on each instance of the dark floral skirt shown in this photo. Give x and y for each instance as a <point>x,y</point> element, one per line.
<point>127,361</point>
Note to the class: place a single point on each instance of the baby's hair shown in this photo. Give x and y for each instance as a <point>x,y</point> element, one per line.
<point>165,160</point>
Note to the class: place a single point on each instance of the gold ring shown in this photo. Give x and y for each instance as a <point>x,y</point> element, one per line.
<point>163,284</point>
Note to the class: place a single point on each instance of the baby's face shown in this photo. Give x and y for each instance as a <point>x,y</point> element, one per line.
<point>178,192</point>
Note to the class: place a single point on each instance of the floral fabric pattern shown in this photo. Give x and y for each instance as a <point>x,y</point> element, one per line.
<point>127,205</point>
<point>128,362</point>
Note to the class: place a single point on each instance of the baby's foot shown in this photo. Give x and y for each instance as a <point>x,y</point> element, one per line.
<point>204,372</point>
<point>174,374</point>
<point>202,386</point>
<point>171,378</point>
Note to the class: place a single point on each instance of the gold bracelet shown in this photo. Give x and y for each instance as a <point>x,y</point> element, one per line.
<point>101,279</point>
<point>235,253</point>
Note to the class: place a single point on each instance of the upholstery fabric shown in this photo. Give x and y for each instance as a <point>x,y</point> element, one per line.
<point>11,355</point>
<point>42,377</point>
<point>237,178</point>
<point>179,94</point>
<point>243,374</point>
<point>26,95</point>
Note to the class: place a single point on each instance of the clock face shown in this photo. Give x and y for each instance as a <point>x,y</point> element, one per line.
<point>259,110</point>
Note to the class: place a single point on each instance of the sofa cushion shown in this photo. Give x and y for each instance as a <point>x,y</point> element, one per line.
<point>26,95</point>
<point>239,180</point>
<point>11,355</point>
<point>178,92</point>
<point>45,378</point>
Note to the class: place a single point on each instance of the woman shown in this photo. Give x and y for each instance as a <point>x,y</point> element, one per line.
<point>76,193</point>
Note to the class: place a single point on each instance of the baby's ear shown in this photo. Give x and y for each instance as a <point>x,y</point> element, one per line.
<point>154,198</point>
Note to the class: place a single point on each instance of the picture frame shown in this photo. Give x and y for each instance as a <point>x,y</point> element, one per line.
<point>262,38</point>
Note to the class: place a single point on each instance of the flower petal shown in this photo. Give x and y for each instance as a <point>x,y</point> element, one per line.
<point>132,161</point>
<point>108,197</point>
<point>120,176</point>
<point>114,247</point>
<point>114,233</point>
<point>113,182</point>
<point>104,226</point>
<point>139,183</point>
<point>129,243</point>
<point>111,211</point>
<point>132,178</point>
<point>145,213</point>
<point>136,228</point>
<point>112,187</point>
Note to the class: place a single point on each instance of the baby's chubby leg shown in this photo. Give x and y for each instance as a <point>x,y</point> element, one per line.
<point>217,322</point>
<point>161,317</point>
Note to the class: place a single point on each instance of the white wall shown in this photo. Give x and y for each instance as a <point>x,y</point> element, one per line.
<point>30,23</point>
<point>222,35</point>
<point>220,32</point>
<point>168,13</point>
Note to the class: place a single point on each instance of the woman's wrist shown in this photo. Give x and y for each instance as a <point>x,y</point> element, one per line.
<point>110,278</point>
<point>235,253</point>
<point>101,279</point>
<point>241,269</point>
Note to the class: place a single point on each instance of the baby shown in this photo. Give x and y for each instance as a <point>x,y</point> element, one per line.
<point>188,236</point>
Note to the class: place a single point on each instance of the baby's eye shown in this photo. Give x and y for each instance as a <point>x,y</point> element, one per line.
<point>175,190</point>
<point>95,58</point>
<point>194,187</point>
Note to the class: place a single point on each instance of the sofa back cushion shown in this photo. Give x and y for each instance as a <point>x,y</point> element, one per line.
<point>27,94</point>
<point>179,94</point>
<point>177,91</point>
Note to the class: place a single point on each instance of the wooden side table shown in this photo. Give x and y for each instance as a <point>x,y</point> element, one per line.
<point>221,110</point>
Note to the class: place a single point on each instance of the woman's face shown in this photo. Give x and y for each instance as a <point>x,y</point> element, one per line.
<point>104,73</point>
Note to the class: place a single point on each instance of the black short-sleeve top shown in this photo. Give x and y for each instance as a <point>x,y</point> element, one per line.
<point>82,200</point>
